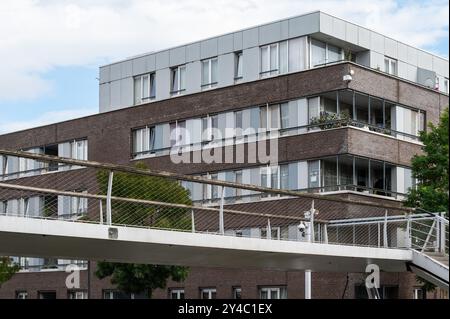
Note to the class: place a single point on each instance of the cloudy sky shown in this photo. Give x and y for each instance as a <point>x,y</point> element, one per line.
<point>50,50</point>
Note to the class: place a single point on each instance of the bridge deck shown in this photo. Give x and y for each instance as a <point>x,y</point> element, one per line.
<point>74,240</point>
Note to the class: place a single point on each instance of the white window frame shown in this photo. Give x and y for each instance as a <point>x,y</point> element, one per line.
<point>270,72</point>
<point>238,61</point>
<point>210,83</point>
<point>209,291</point>
<point>145,96</point>
<point>21,295</point>
<point>177,292</point>
<point>326,53</point>
<point>78,294</point>
<point>178,70</point>
<point>270,291</point>
<point>390,70</point>
<point>143,132</point>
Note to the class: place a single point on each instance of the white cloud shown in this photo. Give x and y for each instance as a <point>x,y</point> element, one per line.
<point>44,119</point>
<point>37,36</point>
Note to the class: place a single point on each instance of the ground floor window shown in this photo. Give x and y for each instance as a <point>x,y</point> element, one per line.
<point>273,292</point>
<point>208,293</point>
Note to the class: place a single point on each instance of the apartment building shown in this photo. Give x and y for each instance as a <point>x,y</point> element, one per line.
<point>345,105</point>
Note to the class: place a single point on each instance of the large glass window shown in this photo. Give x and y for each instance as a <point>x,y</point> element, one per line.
<point>323,53</point>
<point>377,177</point>
<point>274,58</point>
<point>345,172</point>
<point>329,172</point>
<point>362,174</point>
<point>362,108</point>
<point>209,73</point>
<point>314,174</point>
<point>376,112</point>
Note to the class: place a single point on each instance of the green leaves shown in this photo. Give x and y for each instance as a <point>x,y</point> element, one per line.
<point>7,269</point>
<point>431,169</point>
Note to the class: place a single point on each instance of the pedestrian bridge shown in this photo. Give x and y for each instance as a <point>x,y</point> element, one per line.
<point>73,209</point>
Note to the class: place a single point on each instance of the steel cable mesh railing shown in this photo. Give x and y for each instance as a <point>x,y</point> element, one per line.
<point>93,192</point>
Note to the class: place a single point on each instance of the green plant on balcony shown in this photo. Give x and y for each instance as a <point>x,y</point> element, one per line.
<point>328,120</point>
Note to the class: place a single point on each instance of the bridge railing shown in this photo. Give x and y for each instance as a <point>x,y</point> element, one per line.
<point>215,203</point>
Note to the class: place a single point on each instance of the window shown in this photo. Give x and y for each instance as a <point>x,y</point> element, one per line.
<point>209,73</point>
<point>284,176</point>
<point>274,59</point>
<point>390,65</point>
<point>446,88</point>
<point>419,293</point>
<point>237,293</point>
<point>116,294</point>
<point>275,232</point>
<point>214,188</point>
<point>323,53</point>
<point>21,295</point>
<point>77,149</point>
<point>144,140</point>
<point>178,79</point>
<point>314,174</point>
<point>176,293</point>
<point>47,295</point>
<point>269,117</point>
<point>329,173</point>
<point>208,293</point>
<point>238,68</point>
<point>273,293</point>
<point>72,206</point>
<point>238,180</point>
<point>210,128</point>
<point>177,133</point>
<point>144,88</point>
<point>78,294</point>
<point>238,123</point>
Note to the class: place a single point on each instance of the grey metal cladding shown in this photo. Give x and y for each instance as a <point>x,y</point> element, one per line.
<point>304,25</point>
<point>226,44</point>
<point>162,60</point>
<point>115,72</point>
<point>237,41</point>
<point>193,52</point>
<point>269,33</point>
<point>250,38</point>
<point>177,56</point>
<point>208,48</point>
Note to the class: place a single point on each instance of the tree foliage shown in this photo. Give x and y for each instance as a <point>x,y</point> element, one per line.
<point>431,169</point>
<point>139,278</point>
<point>7,269</point>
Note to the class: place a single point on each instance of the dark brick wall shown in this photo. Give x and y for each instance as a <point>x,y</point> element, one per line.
<point>324,285</point>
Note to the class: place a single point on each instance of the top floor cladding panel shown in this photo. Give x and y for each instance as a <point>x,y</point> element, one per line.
<point>290,45</point>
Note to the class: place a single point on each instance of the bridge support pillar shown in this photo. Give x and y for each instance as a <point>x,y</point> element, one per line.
<point>307,284</point>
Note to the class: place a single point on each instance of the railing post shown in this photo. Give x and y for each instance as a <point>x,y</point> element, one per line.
<point>408,232</point>
<point>325,234</point>
<point>221,221</point>
<point>101,211</point>
<point>108,198</point>
<point>192,221</point>
<point>385,232</point>
<point>311,223</point>
<point>269,230</point>
<point>442,234</point>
